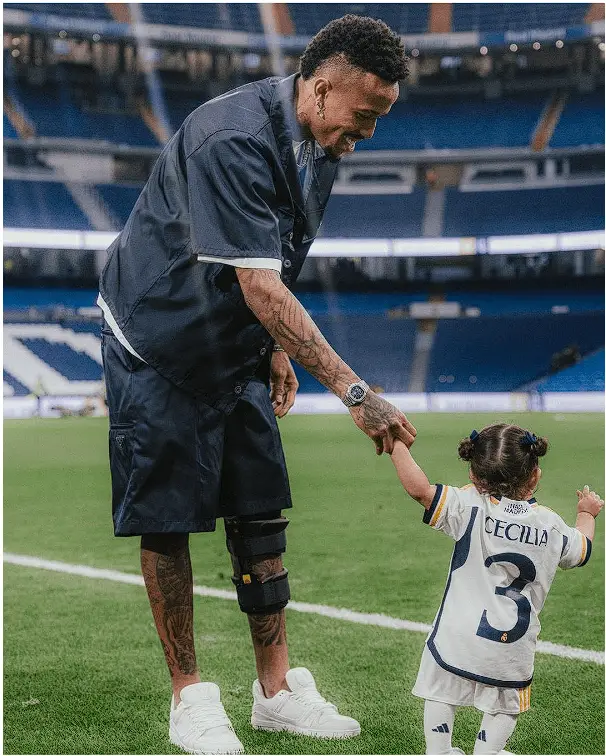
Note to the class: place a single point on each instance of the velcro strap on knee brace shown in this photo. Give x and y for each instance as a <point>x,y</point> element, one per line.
<point>269,597</point>
<point>247,538</point>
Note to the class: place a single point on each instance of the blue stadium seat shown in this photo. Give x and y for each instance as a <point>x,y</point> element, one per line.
<point>8,130</point>
<point>331,303</point>
<point>75,366</point>
<point>457,123</point>
<point>352,303</point>
<point>86,327</point>
<point>581,122</point>
<point>18,388</point>
<point>21,297</point>
<point>375,346</point>
<point>41,204</point>
<point>586,375</point>
<point>374,215</point>
<point>119,199</point>
<point>236,16</point>
<point>405,18</point>
<point>528,303</point>
<point>54,114</point>
<point>69,10</point>
<point>180,105</point>
<point>505,352</point>
<point>495,17</point>
<point>524,211</point>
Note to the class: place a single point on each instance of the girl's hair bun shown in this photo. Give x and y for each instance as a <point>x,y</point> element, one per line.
<point>466,447</point>
<point>540,447</point>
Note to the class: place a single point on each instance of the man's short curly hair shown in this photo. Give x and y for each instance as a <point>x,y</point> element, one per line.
<point>365,42</point>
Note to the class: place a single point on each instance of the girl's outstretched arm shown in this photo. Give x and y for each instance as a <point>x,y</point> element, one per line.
<point>411,476</point>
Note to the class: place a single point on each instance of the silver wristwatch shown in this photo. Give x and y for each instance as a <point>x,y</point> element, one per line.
<point>356,393</point>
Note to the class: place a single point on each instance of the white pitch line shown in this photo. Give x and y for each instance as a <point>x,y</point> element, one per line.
<point>376,620</point>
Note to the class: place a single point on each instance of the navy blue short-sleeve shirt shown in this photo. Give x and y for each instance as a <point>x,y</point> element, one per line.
<point>224,193</point>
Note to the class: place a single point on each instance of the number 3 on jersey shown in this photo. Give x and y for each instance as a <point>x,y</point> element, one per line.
<point>513,591</point>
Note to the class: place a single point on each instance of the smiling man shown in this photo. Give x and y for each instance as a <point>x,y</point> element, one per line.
<point>200,324</point>
<point>347,84</point>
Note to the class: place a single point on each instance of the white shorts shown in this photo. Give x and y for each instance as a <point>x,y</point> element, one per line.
<point>436,684</point>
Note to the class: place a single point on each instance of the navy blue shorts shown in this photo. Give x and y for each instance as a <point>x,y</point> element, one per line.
<point>178,464</point>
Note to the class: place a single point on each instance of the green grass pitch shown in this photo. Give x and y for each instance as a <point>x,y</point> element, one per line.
<point>84,672</point>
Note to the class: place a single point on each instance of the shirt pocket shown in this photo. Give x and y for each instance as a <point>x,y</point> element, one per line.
<point>120,459</point>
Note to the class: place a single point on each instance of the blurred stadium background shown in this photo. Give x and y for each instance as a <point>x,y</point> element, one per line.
<point>459,268</point>
<point>463,248</point>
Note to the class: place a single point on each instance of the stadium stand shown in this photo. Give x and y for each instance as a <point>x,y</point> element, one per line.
<point>407,18</point>
<point>487,17</point>
<point>75,366</point>
<point>36,204</point>
<point>353,303</point>
<point>366,342</point>
<point>119,199</point>
<point>8,130</point>
<point>503,353</point>
<point>22,298</point>
<point>234,16</point>
<point>508,340</point>
<point>373,336</point>
<point>533,302</point>
<point>456,123</point>
<point>69,10</point>
<point>41,204</point>
<point>524,211</point>
<point>581,122</point>
<point>53,112</point>
<point>359,338</point>
<point>374,215</point>
<point>528,303</point>
<point>16,388</point>
<point>586,375</point>
<point>180,104</point>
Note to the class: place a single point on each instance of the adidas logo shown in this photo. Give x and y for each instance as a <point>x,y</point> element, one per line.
<point>482,736</point>
<point>442,728</point>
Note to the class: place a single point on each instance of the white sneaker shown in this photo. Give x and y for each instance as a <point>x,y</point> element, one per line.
<point>199,723</point>
<point>301,710</point>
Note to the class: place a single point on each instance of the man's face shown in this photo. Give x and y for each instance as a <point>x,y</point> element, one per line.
<point>351,105</point>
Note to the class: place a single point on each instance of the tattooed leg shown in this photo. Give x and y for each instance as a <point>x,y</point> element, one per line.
<point>168,578</point>
<point>268,631</point>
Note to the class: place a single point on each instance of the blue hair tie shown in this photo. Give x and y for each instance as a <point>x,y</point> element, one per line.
<point>473,436</point>
<point>529,439</point>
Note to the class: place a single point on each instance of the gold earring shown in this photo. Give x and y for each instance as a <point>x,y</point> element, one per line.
<point>321,110</point>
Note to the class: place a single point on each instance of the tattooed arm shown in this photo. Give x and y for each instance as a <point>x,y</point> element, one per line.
<point>289,323</point>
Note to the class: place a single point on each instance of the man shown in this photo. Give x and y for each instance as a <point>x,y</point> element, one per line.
<point>199,322</point>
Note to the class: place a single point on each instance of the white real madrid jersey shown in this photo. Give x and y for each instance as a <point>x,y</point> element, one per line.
<point>502,567</point>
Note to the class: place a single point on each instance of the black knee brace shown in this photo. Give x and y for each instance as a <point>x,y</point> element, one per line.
<point>248,541</point>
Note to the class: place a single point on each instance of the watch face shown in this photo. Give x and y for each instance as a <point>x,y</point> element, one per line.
<point>357,393</point>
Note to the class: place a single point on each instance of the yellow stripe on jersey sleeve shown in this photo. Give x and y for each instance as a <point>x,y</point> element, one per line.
<point>436,514</point>
<point>583,551</point>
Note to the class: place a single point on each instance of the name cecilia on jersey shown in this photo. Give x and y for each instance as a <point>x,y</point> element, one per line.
<point>513,531</point>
